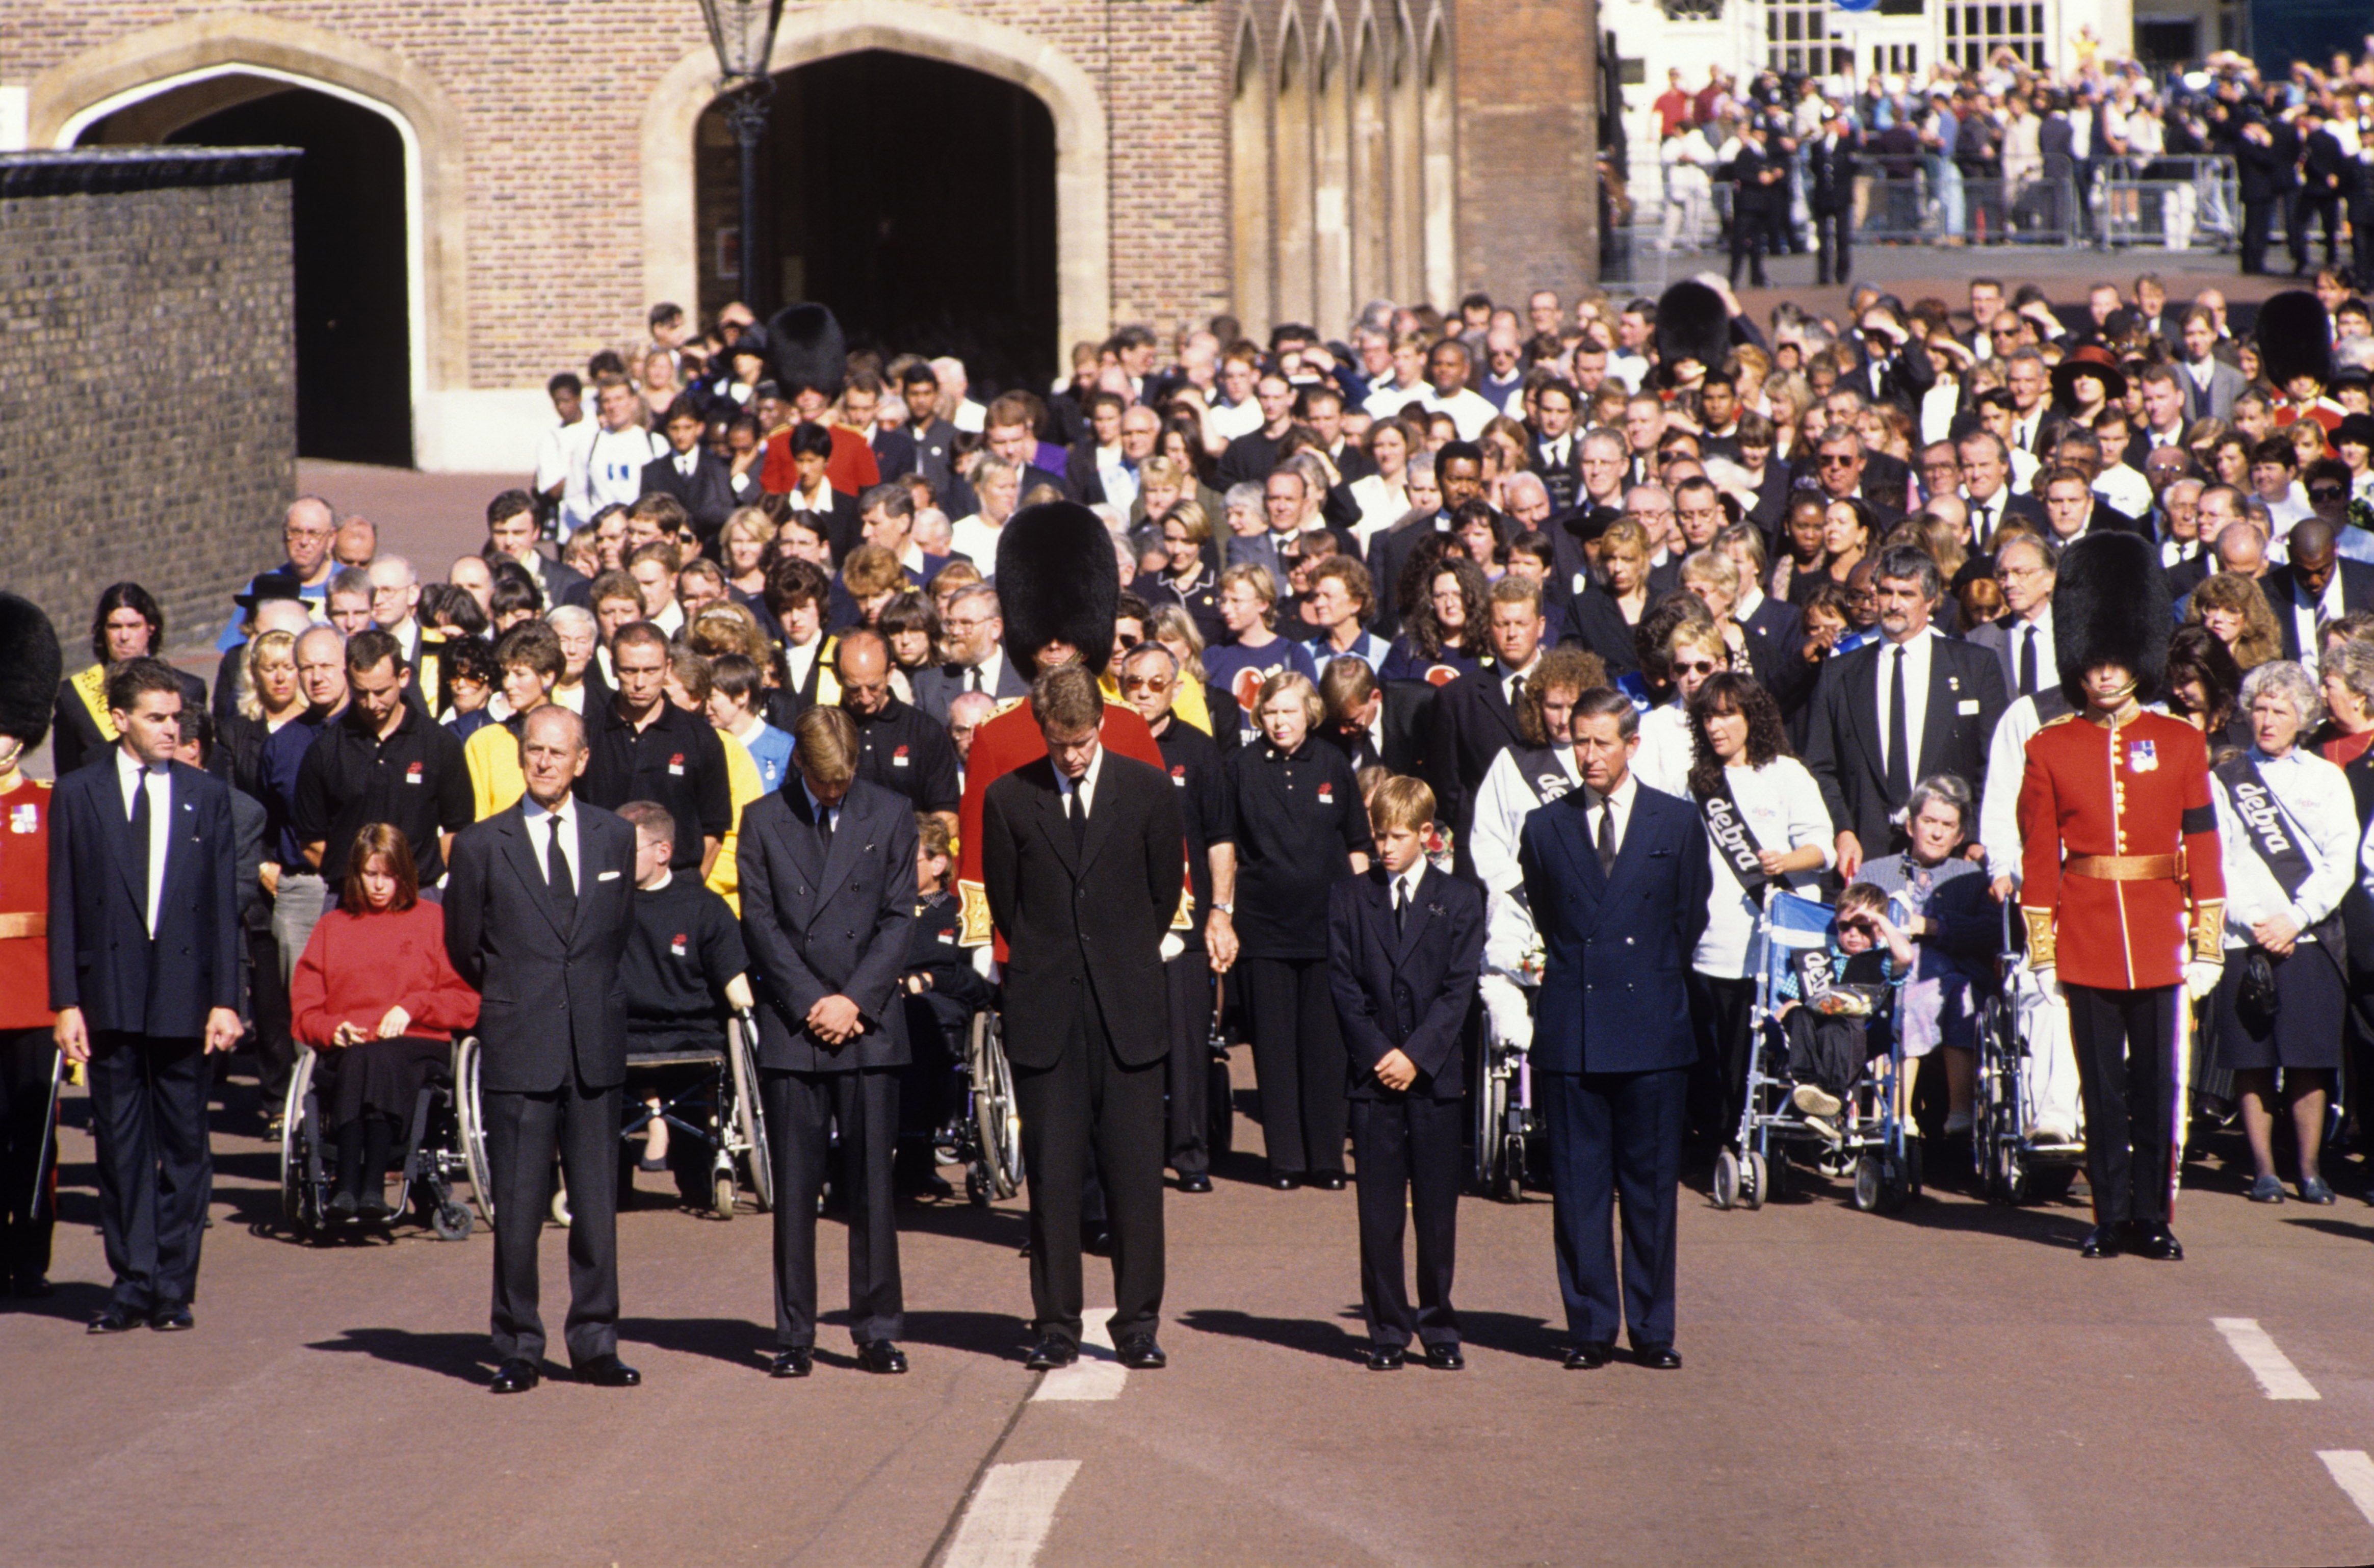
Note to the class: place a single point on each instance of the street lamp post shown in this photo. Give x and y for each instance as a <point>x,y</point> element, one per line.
<point>743,32</point>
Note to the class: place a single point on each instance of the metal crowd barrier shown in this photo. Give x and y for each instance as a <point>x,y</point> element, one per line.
<point>2178,204</point>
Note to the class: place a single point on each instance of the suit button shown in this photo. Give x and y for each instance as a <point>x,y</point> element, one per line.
<point>1628,941</point>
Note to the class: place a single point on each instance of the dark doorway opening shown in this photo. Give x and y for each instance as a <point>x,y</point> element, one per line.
<point>354,308</point>
<point>916,198</point>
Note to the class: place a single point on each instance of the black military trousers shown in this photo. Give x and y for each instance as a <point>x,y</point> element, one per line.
<point>2126,1078</point>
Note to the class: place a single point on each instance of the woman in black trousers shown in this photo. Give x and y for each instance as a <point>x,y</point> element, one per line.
<point>1300,829</point>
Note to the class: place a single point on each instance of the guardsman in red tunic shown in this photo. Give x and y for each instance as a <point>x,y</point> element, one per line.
<point>1057,588</point>
<point>28,1057</point>
<point>2122,882</point>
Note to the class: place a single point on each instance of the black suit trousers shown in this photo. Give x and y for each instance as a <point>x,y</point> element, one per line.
<point>1189,982</point>
<point>1835,231</point>
<point>2361,238</point>
<point>2126,1079</point>
<point>29,1152</point>
<point>1616,1138</point>
<point>801,1110</point>
<point>1089,1106</point>
<point>523,1132</point>
<point>1750,229</point>
<point>1408,1150</point>
<point>2306,206</point>
<point>1298,1062</point>
<point>2258,223</point>
<point>1724,1012</point>
<point>156,1172</point>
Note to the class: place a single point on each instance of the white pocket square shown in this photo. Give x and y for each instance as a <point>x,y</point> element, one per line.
<point>607,876</point>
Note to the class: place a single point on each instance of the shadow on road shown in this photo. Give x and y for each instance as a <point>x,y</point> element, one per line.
<point>735,1340</point>
<point>466,1357</point>
<point>75,1300</point>
<point>1507,1333</point>
<point>2345,1230</point>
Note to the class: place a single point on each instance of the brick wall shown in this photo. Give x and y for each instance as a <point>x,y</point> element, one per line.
<point>148,399</point>
<point>1528,197</point>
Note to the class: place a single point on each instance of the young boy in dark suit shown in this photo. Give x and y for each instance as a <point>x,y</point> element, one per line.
<point>1405,942</point>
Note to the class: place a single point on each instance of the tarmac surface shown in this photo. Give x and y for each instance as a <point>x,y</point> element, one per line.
<point>1951,1385</point>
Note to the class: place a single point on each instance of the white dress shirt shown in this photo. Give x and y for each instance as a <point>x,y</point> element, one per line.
<point>2047,670</point>
<point>131,776</point>
<point>817,811</point>
<point>543,825</point>
<point>1916,697</point>
<point>2304,612</point>
<point>1085,786</point>
<point>1404,889</point>
<point>992,668</point>
<point>1623,797</point>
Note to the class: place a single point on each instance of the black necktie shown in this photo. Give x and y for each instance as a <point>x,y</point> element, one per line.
<point>1077,808</point>
<point>140,836</point>
<point>555,873</point>
<point>1401,906</point>
<point>1607,836</point>
<point>1899,766</point>
<point>824,826</point>
<point>973,678</point>
<point>1981,522</point>
<point>2028,661</point>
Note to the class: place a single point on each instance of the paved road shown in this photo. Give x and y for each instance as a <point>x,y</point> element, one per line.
<point>1952,1386</point>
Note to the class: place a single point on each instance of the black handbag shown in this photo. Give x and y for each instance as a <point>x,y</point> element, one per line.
<point>2256,1002</point>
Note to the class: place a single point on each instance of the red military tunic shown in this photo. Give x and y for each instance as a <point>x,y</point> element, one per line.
<point>25,905</point>
<point>1007,742</point>
<point>2119,855</point>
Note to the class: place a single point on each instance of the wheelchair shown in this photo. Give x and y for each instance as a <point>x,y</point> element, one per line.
<point>988,1141</point>
<point>1509,1150</point>
<point>434,1154</point>
<point>712,1099</point>
<point>2015,1025</point>
<point>1870,1147</point>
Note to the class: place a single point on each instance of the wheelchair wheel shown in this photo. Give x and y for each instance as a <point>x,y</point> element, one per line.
<point>471,1118</point>
<point>1754,1179</point>
<point>451,1220</point>
<point>2029,1185</point>
<point>1219,1109</point>
<point>997,1120</point>
<point>1868,1184</point>
<point>1492,1150</point>
<point>721,1195</point>
<point>300,1200</point>
<point>749,1118</point>
<point>1726,1180</point>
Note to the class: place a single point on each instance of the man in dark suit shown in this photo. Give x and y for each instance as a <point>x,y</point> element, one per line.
<point>144,947</point>
<point>2325,171</point>
<point>1556,444</point>
<point>2021,638</point>
<point>1474,718</point>
<point>1618,880</point>
<point>1895,366</point>
<point>694,475</point>
<point>2266,156</point>
<point>539,906</point>
<point>1898,710</point>
<point>1830,168</point>
<point>1081,857</point>
<point>975,640</point>
<point>513,529</point>
<point>1404,944</point>
<point>828,875</point>
<point>930,446</point>
<point>1459,473</point>
<point>2316,586</point>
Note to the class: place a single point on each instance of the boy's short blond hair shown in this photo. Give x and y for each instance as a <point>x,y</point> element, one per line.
<point>1865,897</point>
<point>1401,801</point>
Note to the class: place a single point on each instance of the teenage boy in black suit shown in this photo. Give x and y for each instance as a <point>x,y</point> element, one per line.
<point>1404,943</point>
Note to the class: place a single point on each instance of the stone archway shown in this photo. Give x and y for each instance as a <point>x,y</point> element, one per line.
<point>1084,257</point>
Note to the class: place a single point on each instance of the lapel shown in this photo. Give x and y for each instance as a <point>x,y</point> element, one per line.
<point>1863,704</point>
<point>1100,819</point>
<point>125,849</point>
<point>1575,843</point>
<point>1634,852</point>
<point>1945,691</point>
<point>1405,942</point>
<point>1058,826</point>
<point>521,851</point>
<point>177,807</point>
<point>841,858</point>
<point>1496,698</point>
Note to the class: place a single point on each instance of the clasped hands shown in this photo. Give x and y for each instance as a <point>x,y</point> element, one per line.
<point>836,1020</point>
<point>391,1024</point>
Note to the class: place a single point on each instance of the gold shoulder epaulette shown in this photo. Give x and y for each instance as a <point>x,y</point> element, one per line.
<point>1008,706</point>
<point>2048,723</point>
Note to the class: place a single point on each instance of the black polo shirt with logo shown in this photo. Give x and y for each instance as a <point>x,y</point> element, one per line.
<point>1194,762</point>
<point>414,779</point>
<point>903,751</point>
<point>677,761</point>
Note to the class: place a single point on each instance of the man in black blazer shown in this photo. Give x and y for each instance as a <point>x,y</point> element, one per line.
<point>827,871</point>
<point>1985,465</point>
<point>539,905</point>
<point>2021,638</point>
<point>692,474</point>
<point>1618,880</point>
<point>2315,587</point>
<point>1830,172</point>
<point>1474,718</point>
<point>975,641</point>
<point>1874,733</point>
<point>143,948</point>
<point>1404,945</point>
<point>1081,857</point>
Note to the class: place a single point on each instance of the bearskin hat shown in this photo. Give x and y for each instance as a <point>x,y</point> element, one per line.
<point>805,347</point>
<point>30,665</point>
<point>1057,580</point>
<point>1692,323</point>
<point>2295,338</point>
<point>2111,606</point>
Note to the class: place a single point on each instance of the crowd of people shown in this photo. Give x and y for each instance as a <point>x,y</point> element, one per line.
<point>2009,153</point>
<point>1491,669</point>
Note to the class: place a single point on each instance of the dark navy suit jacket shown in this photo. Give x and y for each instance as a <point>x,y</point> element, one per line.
<point>1408,989</point>
<point>101,957</point>
<point>1618,947</point>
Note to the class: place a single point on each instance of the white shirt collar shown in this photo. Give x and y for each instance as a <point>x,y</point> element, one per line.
<point>565,814</point>
<point>830,814</point>
<point>1404,889</point>
<point>666,876</point>
<point>1086,785</point>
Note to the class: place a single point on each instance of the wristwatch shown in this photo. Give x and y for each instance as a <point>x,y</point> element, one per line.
<point>1227,909</point>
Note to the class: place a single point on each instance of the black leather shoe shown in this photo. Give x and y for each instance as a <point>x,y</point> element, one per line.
<point>1659,1357</point>
<point>1445,1358</point>
<point>796,1361</point>
<point>2157,1242</point>
<point>1197,1182</point>
<point>1331,1182</point>
<point>114,1320</point>
<point>1140,1354</point>
<point>882,1356</point>
<point>373,1209</point>
<point>1052,1351</point>
<point>1386,1358</point>
<point>1097,1242</point>
<point>33,1288</point>
<point>516,1375</point>
<point>172,1318</point>
<point>2102,1241</point>
<point>1283,1181</point>
<point>1590,1356</point>
<point>608,1372</point>
<point>341,1209</point>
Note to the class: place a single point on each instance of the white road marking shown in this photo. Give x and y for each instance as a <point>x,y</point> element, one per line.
<point>2354,1473</point>
<point>2255,1349</point>
<point>1096,1375</point>
<point>1009,1516</point>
